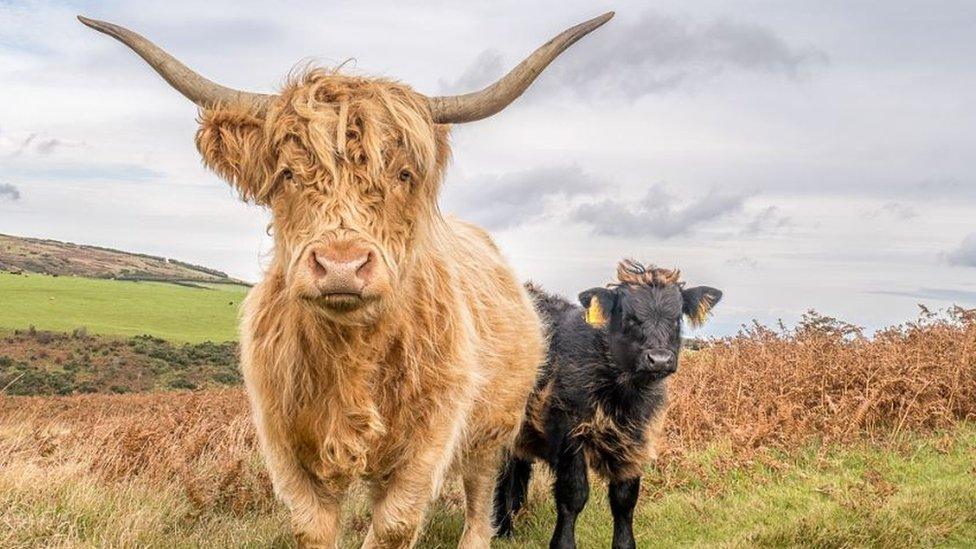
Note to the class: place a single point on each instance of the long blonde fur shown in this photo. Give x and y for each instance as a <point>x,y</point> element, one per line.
<point>435,373</point>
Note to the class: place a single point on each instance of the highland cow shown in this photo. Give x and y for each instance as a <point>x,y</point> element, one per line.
<point>600,397</point>
<point>387,342</point>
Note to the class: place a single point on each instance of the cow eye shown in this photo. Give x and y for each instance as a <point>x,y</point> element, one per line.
<point>405,176</point>
<point>286,175</point>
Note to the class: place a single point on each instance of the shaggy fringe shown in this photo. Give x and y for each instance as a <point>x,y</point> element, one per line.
<point>630,271</point>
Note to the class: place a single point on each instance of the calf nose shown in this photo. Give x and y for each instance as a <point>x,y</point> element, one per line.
<point>341,271</point>
<point>658,359</point>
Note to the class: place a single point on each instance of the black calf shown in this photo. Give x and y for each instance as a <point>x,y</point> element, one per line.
<point>600,396</point>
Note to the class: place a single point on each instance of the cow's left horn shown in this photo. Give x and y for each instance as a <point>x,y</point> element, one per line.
<point>482,104</point>
<point>196,88</point>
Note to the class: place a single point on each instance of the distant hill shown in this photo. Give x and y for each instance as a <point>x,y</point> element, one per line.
<point>52,257</point>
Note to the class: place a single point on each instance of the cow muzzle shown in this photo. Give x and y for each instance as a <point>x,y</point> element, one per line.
<point>342,276</point>
<point>657,362</point>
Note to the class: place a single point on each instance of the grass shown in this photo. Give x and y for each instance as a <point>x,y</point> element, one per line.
<point>110,307</point>
<point>921,494</point>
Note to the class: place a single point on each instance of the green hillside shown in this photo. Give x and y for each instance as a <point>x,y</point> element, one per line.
<point>112,307</point>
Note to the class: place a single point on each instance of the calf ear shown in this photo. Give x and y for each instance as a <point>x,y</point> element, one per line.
<point>599,303</point>
<point>233,146</point>
<point>698,303</point>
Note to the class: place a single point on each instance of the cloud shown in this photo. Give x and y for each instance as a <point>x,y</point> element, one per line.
<point>768,220</point>
<point>9,191</point>
<point>484,70</point>
<point>502,201</point>
<point>965,254</point>
<point>32,143</point>
<point>657,214</point>
<point>47,146</point>
<point>657,53</point>
<point>742,261</point>
<point>895,210</point>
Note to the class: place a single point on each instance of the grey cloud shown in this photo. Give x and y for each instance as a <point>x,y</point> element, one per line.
<point>656,214</point>
<point>47,146</point>
<point>487,67</point>
<point>31,143</point>
<point>658,53</point>
<point>507,200</point>
<point>965,254</point>
<point>742,261</point>
<point>9,191</point>
<point>24,145</point>
<point>895,210</point>
<point>768,220</point>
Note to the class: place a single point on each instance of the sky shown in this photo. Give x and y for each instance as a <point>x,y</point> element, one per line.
<point>796,155</point>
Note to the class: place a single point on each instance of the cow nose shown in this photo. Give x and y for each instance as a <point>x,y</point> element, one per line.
<point>658,359</point>
<point>341,271</point>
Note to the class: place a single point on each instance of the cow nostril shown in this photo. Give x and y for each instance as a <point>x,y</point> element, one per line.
<point>318,265</point>
<point>365,266</point>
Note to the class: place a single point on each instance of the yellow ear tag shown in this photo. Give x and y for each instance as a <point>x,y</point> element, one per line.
<point>594,314</point>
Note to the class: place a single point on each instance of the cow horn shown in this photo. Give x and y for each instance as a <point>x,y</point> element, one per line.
<point>482,104</point>
<point>196,88</point>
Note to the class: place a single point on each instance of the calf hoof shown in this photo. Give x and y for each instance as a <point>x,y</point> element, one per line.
<point>562,544</point>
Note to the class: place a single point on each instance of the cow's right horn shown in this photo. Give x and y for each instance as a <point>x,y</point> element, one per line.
<point>196,88</point>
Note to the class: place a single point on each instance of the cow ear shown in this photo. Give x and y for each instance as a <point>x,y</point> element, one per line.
<point>232,144</point>
<point>599,303</point>
<point>698,303</point>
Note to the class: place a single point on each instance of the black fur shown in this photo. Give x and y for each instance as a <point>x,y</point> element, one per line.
<point>596,395</point>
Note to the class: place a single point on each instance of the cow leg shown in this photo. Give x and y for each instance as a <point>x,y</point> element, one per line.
<point>398,510</point>
<point>623,499</point>
<point>572,489</point>
<point>401,501</point>
<point>314,504</point>
<point>479,477</point>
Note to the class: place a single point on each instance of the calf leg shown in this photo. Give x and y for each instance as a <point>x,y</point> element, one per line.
<point>520,483</point>
<point>623,498</point>
<point>510,492</point>
<point>502,514</point>
<point>572,489</point>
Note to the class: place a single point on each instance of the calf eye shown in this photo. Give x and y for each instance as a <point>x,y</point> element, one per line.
<point>405,176</point>
<point>285,175</point>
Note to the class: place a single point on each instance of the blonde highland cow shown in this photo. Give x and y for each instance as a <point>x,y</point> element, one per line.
<point>386,342</point>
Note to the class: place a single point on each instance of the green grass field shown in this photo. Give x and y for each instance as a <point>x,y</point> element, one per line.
<point>110,307</point>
